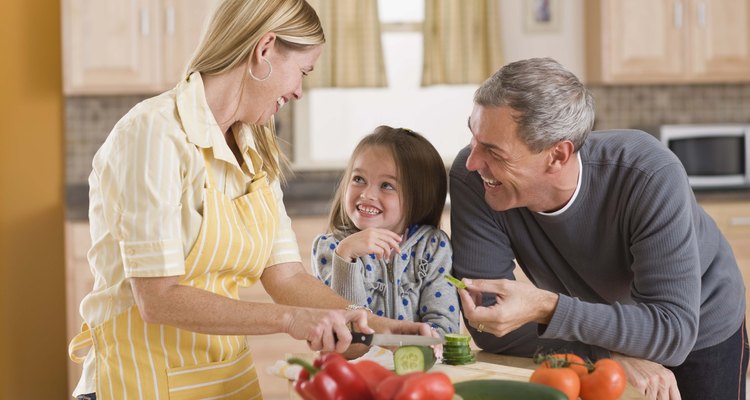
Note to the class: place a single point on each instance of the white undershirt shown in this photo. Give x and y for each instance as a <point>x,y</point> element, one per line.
<point>575,194</point>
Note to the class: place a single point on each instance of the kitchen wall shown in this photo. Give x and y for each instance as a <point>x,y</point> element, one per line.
<point>32,270</point>
<point>89,119</point>
<point>439,112</point>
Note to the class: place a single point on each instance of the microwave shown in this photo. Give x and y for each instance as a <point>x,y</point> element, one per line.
<point>714,156</point>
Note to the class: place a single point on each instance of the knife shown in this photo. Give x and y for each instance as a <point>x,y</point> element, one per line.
<point>384,339</point>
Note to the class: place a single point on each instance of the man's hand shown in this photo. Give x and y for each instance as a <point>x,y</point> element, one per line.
<point>649,378</point>
<point>517,304</point>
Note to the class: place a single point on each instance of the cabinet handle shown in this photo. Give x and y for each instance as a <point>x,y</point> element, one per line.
<point>739,221</point>
<point>145,23</point>
<point>702,14</point>
<point>170,20</point>
<point>678,14</point>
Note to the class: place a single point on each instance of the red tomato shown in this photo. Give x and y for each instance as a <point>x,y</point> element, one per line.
<point>563,379</point>
<point>571,361</point>
<point>606,382</point>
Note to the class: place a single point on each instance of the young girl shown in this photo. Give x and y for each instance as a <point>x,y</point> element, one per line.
<point>385,251</point>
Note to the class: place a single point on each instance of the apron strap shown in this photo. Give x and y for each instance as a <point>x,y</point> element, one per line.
<point>81,341</point>
<point>210,183</point>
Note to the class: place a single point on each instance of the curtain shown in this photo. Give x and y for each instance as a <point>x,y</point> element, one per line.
<point>461,41</point>
<point>353,53</point>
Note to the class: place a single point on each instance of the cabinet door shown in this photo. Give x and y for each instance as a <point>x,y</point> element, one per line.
<point>184,24</point>
<point>108,46</point>
<point>720,40</point>
<point>733,219</point>
<point>641,41</point>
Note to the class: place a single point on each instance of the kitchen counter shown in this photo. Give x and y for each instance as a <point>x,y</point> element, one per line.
<point>310,194</point>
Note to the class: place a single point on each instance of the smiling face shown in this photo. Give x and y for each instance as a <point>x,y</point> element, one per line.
<point>289,67</point>
<point>372,197</point>
<point>513,176</point>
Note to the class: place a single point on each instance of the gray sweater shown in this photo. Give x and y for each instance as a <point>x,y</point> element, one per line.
<point>410,288</point>
<point>640,268</point>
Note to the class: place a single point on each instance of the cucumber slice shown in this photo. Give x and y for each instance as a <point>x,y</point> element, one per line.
<point>456,353</point>
<point>455,281</point>
<point>413,358</point>
<point>455,338</point>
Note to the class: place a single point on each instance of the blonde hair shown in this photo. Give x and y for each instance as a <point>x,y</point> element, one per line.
<point>421,174</point>
<point>233,34</point>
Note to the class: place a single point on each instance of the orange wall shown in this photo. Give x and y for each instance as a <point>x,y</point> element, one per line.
<point>32,293</point>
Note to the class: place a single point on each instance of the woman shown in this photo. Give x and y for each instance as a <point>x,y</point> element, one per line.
<point>185,206</point>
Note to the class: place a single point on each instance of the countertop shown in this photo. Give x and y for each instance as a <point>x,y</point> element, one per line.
<point>309,194</point>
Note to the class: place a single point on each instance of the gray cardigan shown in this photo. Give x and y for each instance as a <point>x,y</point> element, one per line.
<point>410,288</point>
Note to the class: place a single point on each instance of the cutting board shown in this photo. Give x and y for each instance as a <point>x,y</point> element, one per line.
<point>482,370</point>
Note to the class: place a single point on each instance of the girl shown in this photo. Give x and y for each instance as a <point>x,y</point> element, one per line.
<point>385,252</point>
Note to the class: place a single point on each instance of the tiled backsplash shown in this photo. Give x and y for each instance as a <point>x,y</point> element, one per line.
<point>643,106</point>
<point>89,119</point>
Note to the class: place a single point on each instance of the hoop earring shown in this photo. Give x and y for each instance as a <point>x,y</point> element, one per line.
<point>270,69</point>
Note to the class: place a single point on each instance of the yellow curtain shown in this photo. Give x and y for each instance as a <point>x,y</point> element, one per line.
<point>353,53</point>
<point>461,41</point>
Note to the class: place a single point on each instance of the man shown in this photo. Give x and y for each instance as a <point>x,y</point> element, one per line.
<point>623,261</point>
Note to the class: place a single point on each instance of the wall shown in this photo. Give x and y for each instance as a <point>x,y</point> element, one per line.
<point>343,116</point>
<point>32,300</point>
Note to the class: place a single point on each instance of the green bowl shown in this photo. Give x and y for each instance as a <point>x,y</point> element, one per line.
<point>499,389</point>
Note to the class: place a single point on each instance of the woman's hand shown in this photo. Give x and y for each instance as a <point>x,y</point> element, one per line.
<point>649,378</point>
<point>380,242</point>
<point>517,304</point>
<point>318,327</point>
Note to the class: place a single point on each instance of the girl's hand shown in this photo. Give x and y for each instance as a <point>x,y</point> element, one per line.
<point>318,327</point>
<point>380,242</point>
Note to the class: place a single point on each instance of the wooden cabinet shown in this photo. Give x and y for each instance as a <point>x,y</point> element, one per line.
<point>667,41</point>
<point>129,46</point>
<point>733,218</point>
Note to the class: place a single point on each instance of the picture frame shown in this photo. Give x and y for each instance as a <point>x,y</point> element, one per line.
<point>542,16</point>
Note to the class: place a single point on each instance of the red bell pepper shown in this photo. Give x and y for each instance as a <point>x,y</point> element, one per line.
<point>388,389</point>
<point>331,377</point>
<point>426,386</point>
<point>373,373</point>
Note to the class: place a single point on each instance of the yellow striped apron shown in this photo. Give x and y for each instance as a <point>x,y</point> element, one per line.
<point>138,360</point>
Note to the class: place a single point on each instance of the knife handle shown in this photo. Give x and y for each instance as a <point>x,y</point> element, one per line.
<point>358,337</point>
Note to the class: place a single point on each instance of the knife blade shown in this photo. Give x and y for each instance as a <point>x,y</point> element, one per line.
<point>386,339</point>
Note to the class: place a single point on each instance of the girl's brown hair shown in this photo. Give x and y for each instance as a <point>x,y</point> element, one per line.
<point>421,174</point>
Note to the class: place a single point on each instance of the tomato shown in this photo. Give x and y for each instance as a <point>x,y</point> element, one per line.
<point>605,382</point>
<point>563,379</point>
<point>571,361</point>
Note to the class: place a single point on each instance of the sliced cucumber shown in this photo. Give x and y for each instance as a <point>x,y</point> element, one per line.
<point>455,281</point>
<point>412,359</point>
<point>456,350</point>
